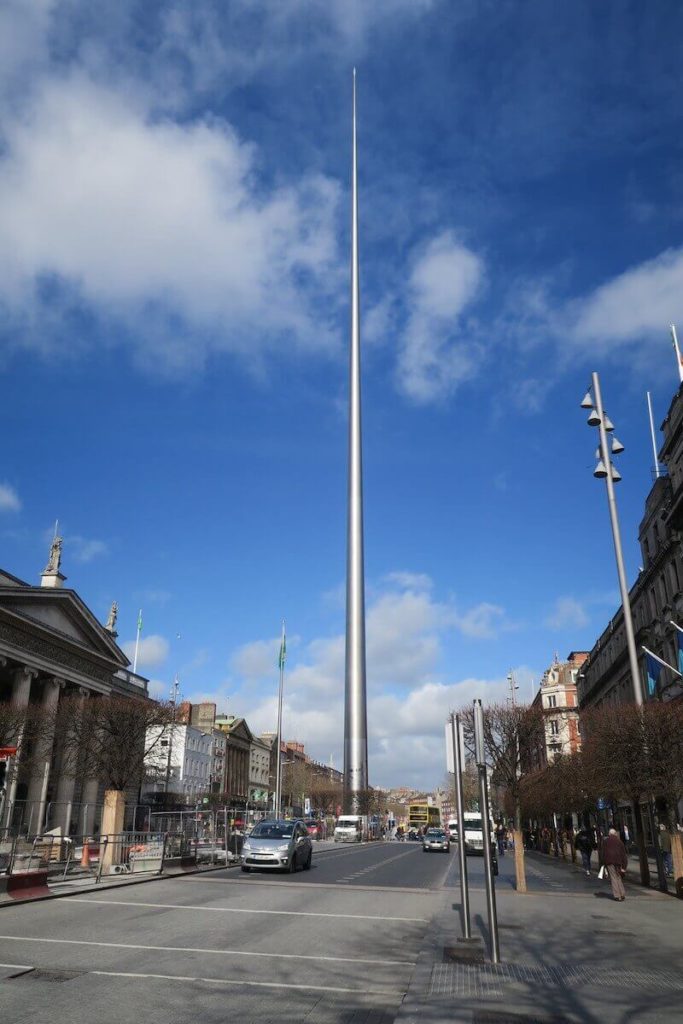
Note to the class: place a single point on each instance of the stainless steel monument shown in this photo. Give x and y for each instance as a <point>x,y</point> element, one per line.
<point>355,712</point>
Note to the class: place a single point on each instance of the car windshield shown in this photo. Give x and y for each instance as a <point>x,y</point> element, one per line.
<point>347,823</point>
<point>473,823</point>
<point>272,830</point>
<point>435,833</point>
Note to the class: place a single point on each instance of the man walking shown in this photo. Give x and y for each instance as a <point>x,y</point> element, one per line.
<point>615,859</point>
<point>665,847</point>
<point>584,844</point>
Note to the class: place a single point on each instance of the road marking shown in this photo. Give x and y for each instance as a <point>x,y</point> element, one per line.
<point>264,880</point>
<point>394,993</point>
<point>217,952</point>
<point>243,910</point>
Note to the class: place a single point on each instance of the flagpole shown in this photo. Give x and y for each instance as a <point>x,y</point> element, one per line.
<point>678,353</point>
<point>658,471</point>
<point>137,642</point>
<point>278,764</point>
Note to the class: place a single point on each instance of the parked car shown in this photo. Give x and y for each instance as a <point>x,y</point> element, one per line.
<point>316,828</point>
<point>277,845</point>
<point>436,839</point>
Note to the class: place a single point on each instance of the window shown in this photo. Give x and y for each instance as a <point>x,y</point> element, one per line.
<point>552,701</point>
<point>554,727</point>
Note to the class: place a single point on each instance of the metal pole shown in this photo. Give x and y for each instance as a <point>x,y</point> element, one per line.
<point>174,691</point>
<point>658,471</point>
<point>486,830</point>
<point>616,536</point>
<point>355,706</point>
<point>278,764</point>
<point>459,805</point>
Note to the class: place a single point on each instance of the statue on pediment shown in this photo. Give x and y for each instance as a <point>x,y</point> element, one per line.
<point>55,558</point>
<point>113,614</point>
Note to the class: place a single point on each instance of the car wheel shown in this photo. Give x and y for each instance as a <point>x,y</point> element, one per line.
<point>246,870</point>
<point>291,867</point>
<point>307,862</point>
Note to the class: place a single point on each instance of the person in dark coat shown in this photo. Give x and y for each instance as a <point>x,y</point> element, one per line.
<point>584,844</point>
<point>615,859</point>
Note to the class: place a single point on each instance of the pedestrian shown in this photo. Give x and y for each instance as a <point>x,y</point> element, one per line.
<point>615,859</point>
<point>500,838</point>
<point>665,847</point>
<point>584,844</point>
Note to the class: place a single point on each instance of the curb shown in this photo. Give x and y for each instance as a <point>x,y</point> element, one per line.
<point>115,885</point>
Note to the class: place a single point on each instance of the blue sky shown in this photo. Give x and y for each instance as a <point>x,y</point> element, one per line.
<point>174,236</point>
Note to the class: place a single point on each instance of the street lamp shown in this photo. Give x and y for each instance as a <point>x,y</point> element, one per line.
<point>606,471</point>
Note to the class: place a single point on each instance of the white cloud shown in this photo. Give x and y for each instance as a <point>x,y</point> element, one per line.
<point>567,613</point>
<point>437,351</point>
<point>9,499</point>
<point>258,659</point>
<point>85,550</point>
<point>85,172</point>
<point>410,580</point>
<point>641,301</point>
<point>483,621</point>
<point>152,650</point>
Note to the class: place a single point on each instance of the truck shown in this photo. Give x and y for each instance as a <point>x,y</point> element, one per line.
<point>474,836</point>
<point>354,828</point>
<point>350,828</point>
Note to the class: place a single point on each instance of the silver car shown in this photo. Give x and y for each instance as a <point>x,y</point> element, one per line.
<point>436,839</point>
<point>277,845</point>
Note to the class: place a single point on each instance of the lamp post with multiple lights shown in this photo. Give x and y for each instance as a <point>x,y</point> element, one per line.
<point>606,471</point>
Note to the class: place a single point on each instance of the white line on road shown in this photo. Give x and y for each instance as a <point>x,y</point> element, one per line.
<point>394,993</point>
<point>244,910</point>
<point>217,952</point>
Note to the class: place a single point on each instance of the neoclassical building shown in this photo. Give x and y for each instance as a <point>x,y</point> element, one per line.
<point>51,646</point>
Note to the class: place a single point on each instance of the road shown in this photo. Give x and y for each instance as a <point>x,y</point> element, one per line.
<point>337,943</point>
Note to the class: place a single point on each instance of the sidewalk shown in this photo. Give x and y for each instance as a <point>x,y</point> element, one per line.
<point>569,954</point>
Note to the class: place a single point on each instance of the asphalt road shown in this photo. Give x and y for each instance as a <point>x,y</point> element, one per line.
<point>334,944</point>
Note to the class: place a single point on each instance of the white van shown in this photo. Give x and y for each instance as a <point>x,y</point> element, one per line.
<point>474,835</point>
<point>350,828</point>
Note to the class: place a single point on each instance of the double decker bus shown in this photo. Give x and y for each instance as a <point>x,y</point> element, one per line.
<point>422,815</point>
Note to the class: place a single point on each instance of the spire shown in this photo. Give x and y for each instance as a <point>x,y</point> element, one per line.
<point>355,713</point>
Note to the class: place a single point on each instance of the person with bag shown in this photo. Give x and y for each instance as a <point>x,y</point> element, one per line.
<point>615,861</point>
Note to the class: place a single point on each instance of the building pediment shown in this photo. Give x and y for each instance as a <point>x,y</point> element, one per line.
<point>62,615</point>
<point>239,730</point>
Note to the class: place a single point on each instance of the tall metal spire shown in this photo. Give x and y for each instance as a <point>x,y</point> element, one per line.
<point>355,715</point>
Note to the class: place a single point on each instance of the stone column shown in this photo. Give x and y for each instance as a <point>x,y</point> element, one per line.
<point>66,782</point>
<point>21,692</point>
<point>37,791</point>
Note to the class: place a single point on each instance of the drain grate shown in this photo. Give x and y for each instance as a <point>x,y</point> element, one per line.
<point>468,978</point>
<point>43,974</point>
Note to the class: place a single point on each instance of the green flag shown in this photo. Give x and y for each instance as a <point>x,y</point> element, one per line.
<point>283,651</point>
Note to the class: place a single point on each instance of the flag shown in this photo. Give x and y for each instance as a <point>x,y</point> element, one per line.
<point>679,638</point>
<point>654,665</point>
<point>283,650</point>
<point>654,671</point>
<point>140,621</point>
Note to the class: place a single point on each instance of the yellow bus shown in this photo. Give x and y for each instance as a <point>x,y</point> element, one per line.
<point>423,815</point>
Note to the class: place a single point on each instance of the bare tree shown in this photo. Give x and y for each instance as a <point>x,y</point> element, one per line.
<point>115,739</point>
<point>634,753</point>
<point>510,735</point>
<point>30,729</point>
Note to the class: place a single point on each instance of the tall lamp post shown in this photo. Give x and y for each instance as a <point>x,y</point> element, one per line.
<point>606,471</point>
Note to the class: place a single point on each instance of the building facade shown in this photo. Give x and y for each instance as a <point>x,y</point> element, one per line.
<point>557,698</point>
<point>180,763</point>
<point>53,647</point>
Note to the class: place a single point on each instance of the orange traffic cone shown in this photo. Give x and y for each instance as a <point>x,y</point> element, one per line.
<point>85,856</point>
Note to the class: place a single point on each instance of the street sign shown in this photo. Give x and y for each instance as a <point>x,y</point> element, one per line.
<point>7,751</point>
